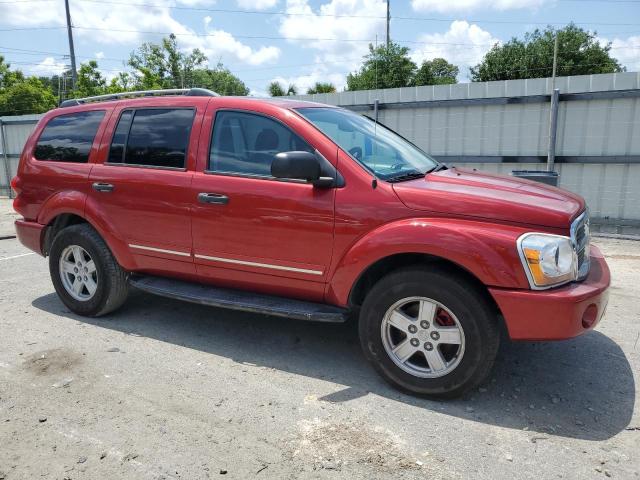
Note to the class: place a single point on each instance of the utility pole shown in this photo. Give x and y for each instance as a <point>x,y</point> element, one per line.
<point>388,22</point>
<point>74,73</point>
<point>555,63</point>
<point>553,111</point>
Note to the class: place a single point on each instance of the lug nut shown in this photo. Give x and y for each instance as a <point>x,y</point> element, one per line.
<point>424,324</point>
<point>414,342</point>
<point>428,346</point>
<point>413,329</point>
<point>435,335</point>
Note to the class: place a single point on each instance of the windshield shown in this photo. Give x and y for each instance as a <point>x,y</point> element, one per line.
<point>382,151</point>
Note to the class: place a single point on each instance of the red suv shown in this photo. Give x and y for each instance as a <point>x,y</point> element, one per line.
<point>306,211</point>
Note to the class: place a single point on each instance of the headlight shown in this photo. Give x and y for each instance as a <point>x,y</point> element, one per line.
<point>548,260</point>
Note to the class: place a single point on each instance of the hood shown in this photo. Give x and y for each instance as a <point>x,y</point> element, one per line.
<point>459,191</point>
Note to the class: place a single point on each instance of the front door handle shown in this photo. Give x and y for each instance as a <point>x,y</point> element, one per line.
<point>213,198</point>
<point>102,187</point>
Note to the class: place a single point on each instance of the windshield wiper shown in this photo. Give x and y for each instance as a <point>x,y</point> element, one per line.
<point>405,176</point>
<point>437,168</point>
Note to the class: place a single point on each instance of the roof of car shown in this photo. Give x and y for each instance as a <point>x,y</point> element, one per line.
<point>167,97</point>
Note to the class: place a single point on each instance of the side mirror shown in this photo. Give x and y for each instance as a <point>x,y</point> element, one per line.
<point>300,166</point>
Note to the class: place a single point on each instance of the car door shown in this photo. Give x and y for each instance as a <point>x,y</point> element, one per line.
<point>250,230</point>
<point>142,188</point>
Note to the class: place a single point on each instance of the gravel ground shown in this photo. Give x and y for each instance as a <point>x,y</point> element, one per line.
<point>163,389</point>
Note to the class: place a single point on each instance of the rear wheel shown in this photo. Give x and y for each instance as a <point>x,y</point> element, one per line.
<point>430,332</point>
<point>84,272</point>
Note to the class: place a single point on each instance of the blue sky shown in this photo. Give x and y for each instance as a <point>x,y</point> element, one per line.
<point>317,40</point>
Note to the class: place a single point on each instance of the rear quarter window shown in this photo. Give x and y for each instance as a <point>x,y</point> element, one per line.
<point>68,138</point>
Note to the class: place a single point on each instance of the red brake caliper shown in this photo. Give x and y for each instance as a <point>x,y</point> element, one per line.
<point>444,319</point>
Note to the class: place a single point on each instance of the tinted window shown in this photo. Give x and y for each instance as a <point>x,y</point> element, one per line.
<point>68,138</point>
<point>156,137</point>
<point>247,143</point>
<point>116,153</point>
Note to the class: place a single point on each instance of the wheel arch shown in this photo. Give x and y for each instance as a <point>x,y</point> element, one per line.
<point>64,219</point>
<point>482,252</point>
<point>376,271</point>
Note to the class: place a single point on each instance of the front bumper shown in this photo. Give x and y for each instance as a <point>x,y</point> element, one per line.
<point>30,235</point>
<point>558,313</point>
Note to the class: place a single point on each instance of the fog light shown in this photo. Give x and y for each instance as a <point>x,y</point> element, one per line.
<point>590,315</point>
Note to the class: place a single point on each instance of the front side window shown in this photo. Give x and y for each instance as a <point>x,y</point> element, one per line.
<point>68,138</point>
<point>153,137</point>
<point>382,151</point>
<point>246,143</point>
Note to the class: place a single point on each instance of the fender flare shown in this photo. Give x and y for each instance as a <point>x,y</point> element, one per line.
<point>75,203</point>
<point>486,250</point>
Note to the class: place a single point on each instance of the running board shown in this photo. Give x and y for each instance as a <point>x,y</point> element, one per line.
<point>240,300</point>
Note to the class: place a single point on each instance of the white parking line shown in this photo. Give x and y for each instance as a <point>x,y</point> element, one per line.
<point>17,256</point>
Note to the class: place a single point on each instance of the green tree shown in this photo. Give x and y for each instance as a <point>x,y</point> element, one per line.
<point>122,82</point>
<point>321,87</point>
<point>164,65</point>
<point>27,96</point>
<point>383,67</point>
<point>7,76</point>
<point>436,72</point>
<point>90,81</point>
<point>579,53</point>
<point>220,80</point>
<point>276,89</point>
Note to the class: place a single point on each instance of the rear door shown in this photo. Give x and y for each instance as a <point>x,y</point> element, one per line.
<point>142,187</point>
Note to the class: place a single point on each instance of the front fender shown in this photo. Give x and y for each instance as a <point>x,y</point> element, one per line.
<point>486,250</point>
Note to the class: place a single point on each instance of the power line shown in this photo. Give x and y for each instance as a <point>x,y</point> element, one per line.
<point>313,14</point>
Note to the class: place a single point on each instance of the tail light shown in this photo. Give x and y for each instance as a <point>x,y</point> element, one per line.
<point>15,185</point>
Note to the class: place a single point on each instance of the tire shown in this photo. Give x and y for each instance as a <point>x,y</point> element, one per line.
<point>106,285</point>
<point>462,314</point>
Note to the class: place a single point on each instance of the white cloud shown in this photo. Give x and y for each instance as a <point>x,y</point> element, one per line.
<point>352,21</point>
<point>221,45</point>
<point>466,5</point>
<point>47,67</point>
<point>99,55</point>
<point>626,50</point>
<point>257,4</point>
<point>463,44</point>
<point>131,25</point>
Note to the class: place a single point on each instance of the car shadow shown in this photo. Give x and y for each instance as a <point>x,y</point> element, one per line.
<point>581,388</point>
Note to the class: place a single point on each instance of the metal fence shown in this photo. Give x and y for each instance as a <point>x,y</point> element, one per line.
<point>504,126</point>
<point>14,132</point>
<point>500,127</point>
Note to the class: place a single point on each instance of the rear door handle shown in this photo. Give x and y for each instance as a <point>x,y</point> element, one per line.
<point>102,187</point>
<point>213,198</point>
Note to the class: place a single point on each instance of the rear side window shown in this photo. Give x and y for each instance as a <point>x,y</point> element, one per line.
<point>153,137</point>
<point>246,143</point>
<point>68,138</point>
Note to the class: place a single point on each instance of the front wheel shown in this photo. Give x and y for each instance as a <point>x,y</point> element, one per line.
<point>429,331</point>
<point>84,272</point>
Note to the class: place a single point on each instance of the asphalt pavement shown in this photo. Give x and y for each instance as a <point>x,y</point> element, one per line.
<point>164,389</point>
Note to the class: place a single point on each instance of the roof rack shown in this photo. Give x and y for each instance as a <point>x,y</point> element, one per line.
<point>191,92</point>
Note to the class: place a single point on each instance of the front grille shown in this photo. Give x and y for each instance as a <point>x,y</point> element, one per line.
<point>581,238</point>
